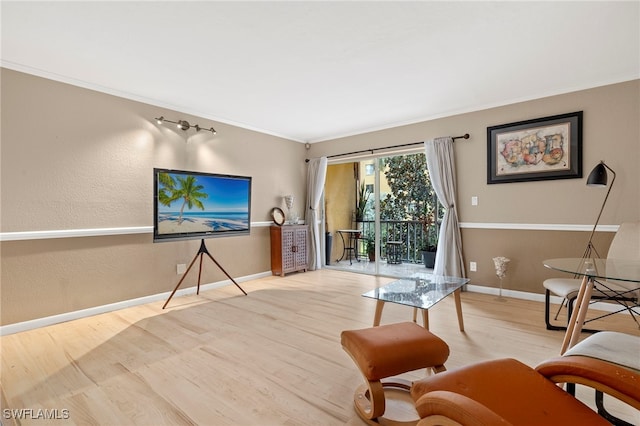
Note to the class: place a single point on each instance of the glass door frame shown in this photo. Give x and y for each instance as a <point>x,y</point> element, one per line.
<point>376,200</point>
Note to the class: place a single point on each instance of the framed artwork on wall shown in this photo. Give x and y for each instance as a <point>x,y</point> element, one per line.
<point>539,149</point>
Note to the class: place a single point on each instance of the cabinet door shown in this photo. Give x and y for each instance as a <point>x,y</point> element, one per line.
<point>288,247</point>
<point>300,248</point>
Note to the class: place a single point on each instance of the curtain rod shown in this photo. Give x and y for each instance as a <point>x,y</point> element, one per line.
<point>372,150</point>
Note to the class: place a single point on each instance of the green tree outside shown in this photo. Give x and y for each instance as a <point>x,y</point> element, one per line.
<point>411,196</point>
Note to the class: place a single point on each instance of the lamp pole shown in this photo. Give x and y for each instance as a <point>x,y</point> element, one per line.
<point>598,177</point>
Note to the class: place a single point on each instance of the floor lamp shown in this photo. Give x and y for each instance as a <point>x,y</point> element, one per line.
<point>598,178</point>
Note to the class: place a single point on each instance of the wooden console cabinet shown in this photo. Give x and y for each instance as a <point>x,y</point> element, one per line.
<point>289,249</point>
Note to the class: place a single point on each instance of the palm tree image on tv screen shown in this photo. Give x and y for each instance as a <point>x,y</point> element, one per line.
<point>190,205</point>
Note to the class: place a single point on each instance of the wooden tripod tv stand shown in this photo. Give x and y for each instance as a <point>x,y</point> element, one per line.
<point>201,252</point>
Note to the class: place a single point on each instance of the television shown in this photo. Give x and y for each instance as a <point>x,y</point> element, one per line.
<point>195,205</point>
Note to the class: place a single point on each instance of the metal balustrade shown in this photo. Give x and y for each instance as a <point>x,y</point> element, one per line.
<point>409,232</point>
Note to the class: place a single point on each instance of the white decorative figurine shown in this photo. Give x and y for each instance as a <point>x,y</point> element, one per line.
<point>501,271</point>
<point>288,200</point>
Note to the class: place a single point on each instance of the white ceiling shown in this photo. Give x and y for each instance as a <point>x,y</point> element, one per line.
<point>312,71</point>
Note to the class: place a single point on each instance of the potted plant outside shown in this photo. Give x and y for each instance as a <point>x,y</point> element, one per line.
<point>371,248</point>
<point>429,244</point>
<point>361,202</point>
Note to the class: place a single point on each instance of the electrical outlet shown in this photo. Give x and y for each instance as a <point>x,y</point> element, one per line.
<point>181,268</point>
<point>473,267</point>
<point>474,201</point>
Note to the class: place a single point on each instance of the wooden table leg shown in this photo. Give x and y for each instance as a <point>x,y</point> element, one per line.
<point>456,296</point>
<point>378,314</point>
<point>574,315</point>
<point>582,314</point>
<point>425,318</point>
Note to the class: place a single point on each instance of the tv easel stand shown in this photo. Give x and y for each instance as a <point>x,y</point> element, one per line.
<point>201,252</point>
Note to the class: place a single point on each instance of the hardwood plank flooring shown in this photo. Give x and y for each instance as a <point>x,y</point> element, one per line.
<point>270,358</point>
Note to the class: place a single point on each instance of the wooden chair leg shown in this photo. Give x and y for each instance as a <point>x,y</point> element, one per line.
<point>369,400</point>
<point>438,369</point>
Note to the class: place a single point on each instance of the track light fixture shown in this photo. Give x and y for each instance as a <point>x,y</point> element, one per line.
<point>184,125</point>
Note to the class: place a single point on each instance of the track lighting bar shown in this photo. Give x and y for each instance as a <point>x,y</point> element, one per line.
<point>184,125</point>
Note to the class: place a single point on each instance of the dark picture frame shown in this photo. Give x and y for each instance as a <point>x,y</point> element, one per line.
<point>532,150</point>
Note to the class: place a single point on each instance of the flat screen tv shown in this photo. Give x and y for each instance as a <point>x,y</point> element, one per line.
<point>194,205</point>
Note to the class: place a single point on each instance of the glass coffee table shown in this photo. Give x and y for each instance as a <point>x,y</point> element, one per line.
<point>420,291</point>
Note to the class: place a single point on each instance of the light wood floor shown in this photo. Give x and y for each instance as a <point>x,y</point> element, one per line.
<point>270,358</point>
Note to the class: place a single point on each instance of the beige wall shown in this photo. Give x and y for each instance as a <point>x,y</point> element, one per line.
<point>73,158</point>
<point>611,132</point>
<point>527,250</point>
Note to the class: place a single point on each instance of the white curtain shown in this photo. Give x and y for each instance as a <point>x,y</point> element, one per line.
<point>316,173</point>
<point>442,170</point>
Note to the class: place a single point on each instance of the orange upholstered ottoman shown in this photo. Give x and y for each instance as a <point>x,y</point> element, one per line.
<point>389,350</point>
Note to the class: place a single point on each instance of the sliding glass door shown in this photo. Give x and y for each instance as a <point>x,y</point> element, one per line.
<point>382,215</point>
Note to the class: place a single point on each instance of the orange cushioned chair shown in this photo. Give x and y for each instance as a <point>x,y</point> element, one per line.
<point>608,362</point>
<point>498,392</point>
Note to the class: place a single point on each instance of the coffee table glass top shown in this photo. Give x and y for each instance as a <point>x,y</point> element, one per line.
<point>419,291</point>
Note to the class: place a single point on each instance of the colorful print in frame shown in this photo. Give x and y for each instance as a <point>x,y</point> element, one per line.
<point>539,149</point>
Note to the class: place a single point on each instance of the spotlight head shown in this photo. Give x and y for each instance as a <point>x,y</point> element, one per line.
<point>212,130</point>
<point>160,119</point>
<point>184,125</point>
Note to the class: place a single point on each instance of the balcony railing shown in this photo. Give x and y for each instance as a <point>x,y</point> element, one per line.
<point>409,233</point>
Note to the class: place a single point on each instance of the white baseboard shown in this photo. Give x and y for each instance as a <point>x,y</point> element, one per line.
<point>69,316</point>
<point>508,293</point>
<point>601,306</point>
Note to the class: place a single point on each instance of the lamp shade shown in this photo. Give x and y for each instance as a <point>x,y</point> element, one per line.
<point>598,176</point>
